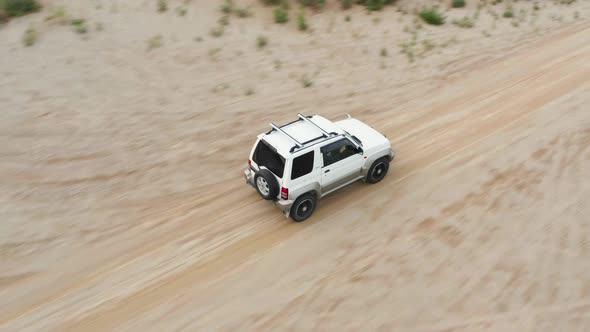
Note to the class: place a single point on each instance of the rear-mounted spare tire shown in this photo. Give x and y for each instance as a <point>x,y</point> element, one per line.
<point>266,184</point>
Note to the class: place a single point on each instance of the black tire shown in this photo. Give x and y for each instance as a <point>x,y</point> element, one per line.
<point>303,207</point>
<point>266,184</point>
<point>378,170</point>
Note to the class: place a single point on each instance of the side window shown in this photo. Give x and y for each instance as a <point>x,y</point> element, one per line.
<point>337,151</point>
<point>302,165</point>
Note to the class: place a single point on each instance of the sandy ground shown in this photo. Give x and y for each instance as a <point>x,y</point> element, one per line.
<point>123,206</point>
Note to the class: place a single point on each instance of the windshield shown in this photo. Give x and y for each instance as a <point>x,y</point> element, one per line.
<point>356,139</point>
<point>266,156</point>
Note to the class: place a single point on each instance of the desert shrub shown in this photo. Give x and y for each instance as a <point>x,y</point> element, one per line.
<point>58,16</point>
<point>261,42</point>
<point>13,8</point>
<point>427,45</point>
<point>465,22</point>
<point>81,29</point>
<point>77,21</point>
<point>271,2</point>
<point>346,4</point>
<point>375,4</point>
<point>458,3</point>
<point>242,12</point>
<point>223,20</point>
<point>316,4</point>
<point>217,31</point>
<point>432,16</point>
<point>301,22</point>
<point>154,42</point>
<point>162,5</point>
<point>281,15</point>
<point>79,25</point>
<point>30,37</point>
<point>508,12</point>
<point>227,7</point>
<point>306,81</point>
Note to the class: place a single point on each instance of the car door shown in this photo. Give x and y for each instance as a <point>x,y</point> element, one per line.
<point>341,164</point>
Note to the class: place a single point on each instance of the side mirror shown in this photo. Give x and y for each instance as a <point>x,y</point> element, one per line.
<point>359,150</point>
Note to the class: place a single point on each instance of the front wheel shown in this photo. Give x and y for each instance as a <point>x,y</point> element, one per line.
<point>303,207</point>
<point>378,170</point>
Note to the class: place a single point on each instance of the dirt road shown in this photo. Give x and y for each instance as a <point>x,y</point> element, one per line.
<point>482,224</point>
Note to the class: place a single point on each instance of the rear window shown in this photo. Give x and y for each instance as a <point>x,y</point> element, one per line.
<point>266,156</point>
<point>302,165</point>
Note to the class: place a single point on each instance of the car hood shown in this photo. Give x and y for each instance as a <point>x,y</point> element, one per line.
<point>371,138</point>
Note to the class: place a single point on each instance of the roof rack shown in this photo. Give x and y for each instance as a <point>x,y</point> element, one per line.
<point>299,145</point>
<point>308,120</point>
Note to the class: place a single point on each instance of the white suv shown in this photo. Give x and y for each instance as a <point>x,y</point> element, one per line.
<point>298,163</point>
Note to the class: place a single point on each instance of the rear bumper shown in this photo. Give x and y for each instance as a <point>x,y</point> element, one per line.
<point>284,205</point>
<point>249,176</point>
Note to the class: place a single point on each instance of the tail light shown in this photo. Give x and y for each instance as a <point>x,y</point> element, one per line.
<point>249,162</point>
<point>284,193</point>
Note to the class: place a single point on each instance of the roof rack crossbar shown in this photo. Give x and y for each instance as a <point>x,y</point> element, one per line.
<point>299,145</point>
<point>306,119</point>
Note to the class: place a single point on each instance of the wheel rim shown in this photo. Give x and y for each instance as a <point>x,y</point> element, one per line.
<point>263,186</point>
<point>304,208</point>
<point>379,171</point>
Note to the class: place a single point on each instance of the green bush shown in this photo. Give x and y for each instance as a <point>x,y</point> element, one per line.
<point>227,7</point>
<point>79,25</point>
<point>375,4</point>
<point>29,37</point>
<point>217,31</point>
<point>12,8</point>
<point>346,4</point>
<point>242,12</point>
<point>458,3</point>
<point>261,42</point>
<point>306,81</point>
<point>271,2</point>
<point>432,16</point>
<point>162,6</point>
<point>316,4</point>
<point>281,15</point>
<point>301,23</point>
<point>508,12</point>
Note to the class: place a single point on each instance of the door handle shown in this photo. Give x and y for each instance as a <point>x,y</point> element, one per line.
<point>326,171</point>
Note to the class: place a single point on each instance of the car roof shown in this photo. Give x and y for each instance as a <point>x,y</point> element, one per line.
<point>302,131</point>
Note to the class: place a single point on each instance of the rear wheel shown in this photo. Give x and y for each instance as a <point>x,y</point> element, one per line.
<point>303,207</point>
<point>266,184</point>
<point>378,170</point>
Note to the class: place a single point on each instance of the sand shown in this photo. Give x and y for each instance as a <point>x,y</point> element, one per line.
<point>123,205</point>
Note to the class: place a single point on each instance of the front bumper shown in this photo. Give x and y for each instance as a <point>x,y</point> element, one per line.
<point>391,154</point>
